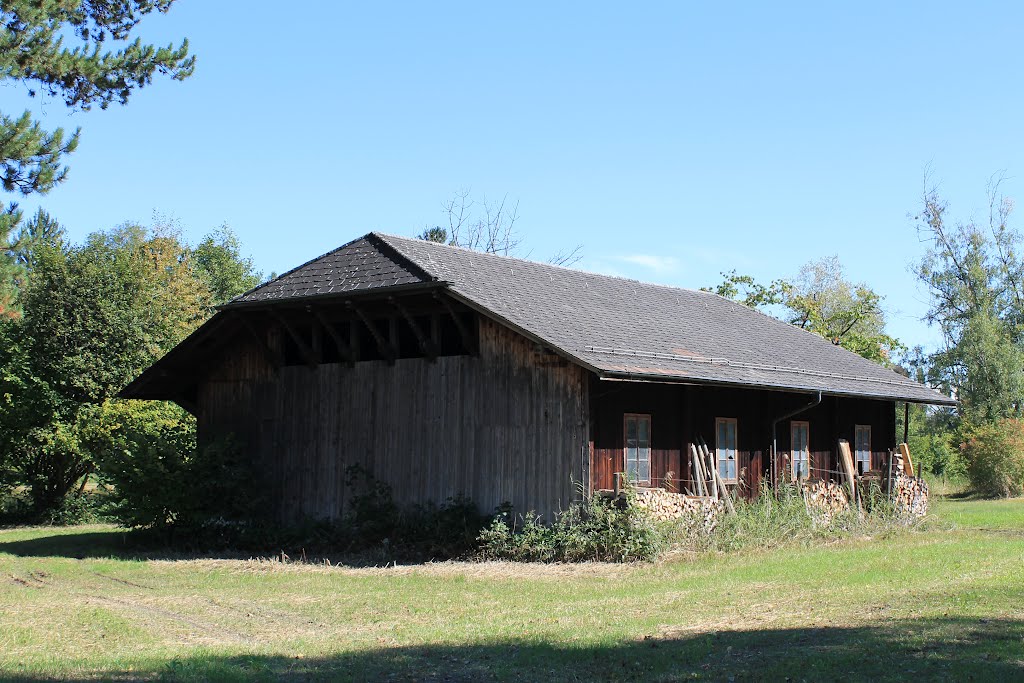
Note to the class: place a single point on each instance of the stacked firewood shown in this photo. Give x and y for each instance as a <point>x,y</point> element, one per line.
<point>664,505</point>
<point>909,495</point>
<point>825,500</point>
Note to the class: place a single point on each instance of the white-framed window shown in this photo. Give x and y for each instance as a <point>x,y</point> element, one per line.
<point>862,447</point>
<point>800,448</point>
<point>725,447</point>
<point>637,429</point>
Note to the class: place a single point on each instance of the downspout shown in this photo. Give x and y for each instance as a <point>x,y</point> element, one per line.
<point>775,422</point>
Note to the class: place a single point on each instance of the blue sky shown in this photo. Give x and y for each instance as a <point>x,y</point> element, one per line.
<point>673,141</point>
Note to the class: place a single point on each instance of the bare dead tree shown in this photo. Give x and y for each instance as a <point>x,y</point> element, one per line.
<point>567,257</point>
<point>491,230</point>
<point>486,226</point>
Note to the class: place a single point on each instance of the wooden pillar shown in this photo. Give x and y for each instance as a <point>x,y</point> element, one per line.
<point>906,420</point>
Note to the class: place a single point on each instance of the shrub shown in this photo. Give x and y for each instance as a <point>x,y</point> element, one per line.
<point>994,452</point>
<point>597,529</point>
<point>161,479</point>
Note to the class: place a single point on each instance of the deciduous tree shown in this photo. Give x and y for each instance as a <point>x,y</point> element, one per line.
<point>976,280</point>
<point>821,300</point>
<point>94,316</point>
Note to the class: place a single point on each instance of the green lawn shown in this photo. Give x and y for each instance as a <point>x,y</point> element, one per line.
<point>935,605</point>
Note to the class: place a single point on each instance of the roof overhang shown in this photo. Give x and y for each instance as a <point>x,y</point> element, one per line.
<point>657,378</point>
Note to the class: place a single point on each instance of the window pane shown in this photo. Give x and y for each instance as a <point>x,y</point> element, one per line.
<point>644,466</point>
<point>631,428</point>
<point>644,430</point>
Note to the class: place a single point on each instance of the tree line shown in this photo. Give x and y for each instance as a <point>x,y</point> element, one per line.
<point>80,322</point>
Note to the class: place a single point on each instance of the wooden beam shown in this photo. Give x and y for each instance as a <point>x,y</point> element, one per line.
<point>304,350</point>
<point>273,357</point>
<point>385,348</point>
<point>906,420</point>
<point>344,350</point>
<point>426,344</point>
<point>435,331</point>
<point>467,340</point>
<point>317,342</point>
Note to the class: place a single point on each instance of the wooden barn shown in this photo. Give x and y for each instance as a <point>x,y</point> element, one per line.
<point>446,372</point>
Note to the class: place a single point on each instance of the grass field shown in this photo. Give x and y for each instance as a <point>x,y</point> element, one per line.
<point>945,604</point>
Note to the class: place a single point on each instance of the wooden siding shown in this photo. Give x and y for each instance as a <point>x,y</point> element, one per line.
<point>505,425</point>
<point>682,414</point>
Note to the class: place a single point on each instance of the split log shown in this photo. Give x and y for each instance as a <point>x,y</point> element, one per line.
<point>664,505</point>
<point>824,500</point>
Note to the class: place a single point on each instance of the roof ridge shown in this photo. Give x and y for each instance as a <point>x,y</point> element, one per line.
<point>543,264</point>
<point>381,238</point>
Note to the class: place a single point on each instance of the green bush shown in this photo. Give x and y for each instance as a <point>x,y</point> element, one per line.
<point>595,529</point>
<point>160,478</point>
<point>994,452</point>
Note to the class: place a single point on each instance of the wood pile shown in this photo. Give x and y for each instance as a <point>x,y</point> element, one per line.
<point>665,505</point>
<point>825,500</point>
<point>909,495</point>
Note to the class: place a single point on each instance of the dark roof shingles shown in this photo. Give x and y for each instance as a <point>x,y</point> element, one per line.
<point>623,326</point>
<point>355,266</point>
<point>612,324</point>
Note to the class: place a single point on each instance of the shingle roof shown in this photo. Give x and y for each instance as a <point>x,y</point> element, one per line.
<point>615,326</point>
<point>360,264</point>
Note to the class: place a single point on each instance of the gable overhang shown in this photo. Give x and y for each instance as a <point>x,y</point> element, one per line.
<point>300,302</point>
<point>173,376</point>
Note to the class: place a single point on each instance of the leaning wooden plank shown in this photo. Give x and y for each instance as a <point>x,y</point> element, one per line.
<point>708,464</point>
<point>696,470</point>
<point>908,464</point>
<point>708,467</point>
<point>847,460</point>
<point>701,470</point>
<point>704,472</point>
<point>711,467</point>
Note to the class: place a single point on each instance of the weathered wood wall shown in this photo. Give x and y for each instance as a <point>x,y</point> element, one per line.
<point>508,424</point>
<point>682,414</point>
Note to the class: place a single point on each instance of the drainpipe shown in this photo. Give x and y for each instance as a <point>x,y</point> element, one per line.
<point>775,422</point>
